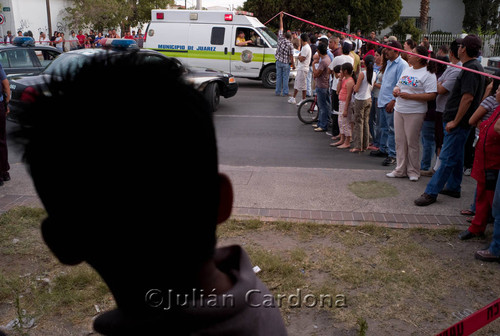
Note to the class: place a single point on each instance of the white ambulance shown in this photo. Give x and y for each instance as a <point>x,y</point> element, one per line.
<point>209,39</point>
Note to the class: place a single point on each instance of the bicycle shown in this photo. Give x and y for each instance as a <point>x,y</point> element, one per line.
<point>308,111</point>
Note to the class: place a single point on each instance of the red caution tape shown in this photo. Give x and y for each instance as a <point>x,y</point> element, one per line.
<point>386,46</point>
<point>475,321</point>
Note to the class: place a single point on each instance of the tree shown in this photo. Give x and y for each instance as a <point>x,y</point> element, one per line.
<point>365,14</point>
<point>406,26</point>
<point>481,16</point>
<point>424,15</point>
<point>101,14</point>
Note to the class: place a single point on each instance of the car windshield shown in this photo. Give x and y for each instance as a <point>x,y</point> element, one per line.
<point>270,37</point>
<point>64,64</point>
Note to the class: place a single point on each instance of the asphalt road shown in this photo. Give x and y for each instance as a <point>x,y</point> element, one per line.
<point>257,128</point>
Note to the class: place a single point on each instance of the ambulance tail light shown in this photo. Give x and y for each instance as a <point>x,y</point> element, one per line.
<point>228,17</point>
<point>160,16</point>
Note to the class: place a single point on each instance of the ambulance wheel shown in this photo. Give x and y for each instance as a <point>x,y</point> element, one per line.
<point>212,95</point>
<point>269,77</point>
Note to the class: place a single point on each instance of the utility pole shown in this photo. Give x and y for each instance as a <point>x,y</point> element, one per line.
<point>49,20</point>
<point>198,4</point>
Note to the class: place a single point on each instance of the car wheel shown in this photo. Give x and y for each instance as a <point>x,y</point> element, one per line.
<point>212,95</point>
<point>269,77</point>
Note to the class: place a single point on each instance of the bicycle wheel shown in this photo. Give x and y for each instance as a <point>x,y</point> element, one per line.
<point>308,111</point>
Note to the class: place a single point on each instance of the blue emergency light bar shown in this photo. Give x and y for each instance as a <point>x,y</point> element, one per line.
<point>23,41</point>
<point>120,44</point>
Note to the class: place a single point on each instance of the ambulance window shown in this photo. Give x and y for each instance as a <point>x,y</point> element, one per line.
<point>248,37</point>
<point>217,37</point>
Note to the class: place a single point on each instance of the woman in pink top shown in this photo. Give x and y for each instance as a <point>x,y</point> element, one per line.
<point>345,90</point>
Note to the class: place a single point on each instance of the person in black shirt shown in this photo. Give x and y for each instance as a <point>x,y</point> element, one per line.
<point>464,99</point>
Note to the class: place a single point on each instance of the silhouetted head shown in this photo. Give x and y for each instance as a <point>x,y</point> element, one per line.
<point>130,182</point>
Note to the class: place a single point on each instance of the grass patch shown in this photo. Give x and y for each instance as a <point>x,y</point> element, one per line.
<point>34,286</point>
<point>372,189</point>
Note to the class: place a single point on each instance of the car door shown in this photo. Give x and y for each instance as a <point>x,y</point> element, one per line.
<point>18,61</point>
<point>45,57</point>
<point>247,61</point>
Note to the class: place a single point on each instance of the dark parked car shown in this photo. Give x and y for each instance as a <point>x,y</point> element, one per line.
<point>493,65</point>
<point>24,57</point>
<point>213,84</point>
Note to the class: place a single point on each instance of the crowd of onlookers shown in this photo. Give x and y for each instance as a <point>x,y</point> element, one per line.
<point>79,40</point>
<point>397,99</point>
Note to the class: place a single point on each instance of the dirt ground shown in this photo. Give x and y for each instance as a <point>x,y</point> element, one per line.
<point>382,281</point>
<point>395,282</point>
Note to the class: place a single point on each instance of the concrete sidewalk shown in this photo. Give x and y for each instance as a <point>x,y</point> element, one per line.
<point>306,194</point>
<point>322,195</point>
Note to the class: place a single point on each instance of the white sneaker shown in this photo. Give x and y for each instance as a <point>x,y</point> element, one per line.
<point>467,171</point>
<point>391,174</point>
<point>291,100</point>
<point>298,104</point>
<point>413,178</point>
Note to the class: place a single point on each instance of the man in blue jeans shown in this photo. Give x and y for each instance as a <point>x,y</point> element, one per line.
<point>284,59</point>
<point>386,101</point>
<point>464,99</point>
<point>321,75</point>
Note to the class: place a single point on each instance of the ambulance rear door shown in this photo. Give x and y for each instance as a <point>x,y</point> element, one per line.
<point>166,38</point>
<point>209,46</point>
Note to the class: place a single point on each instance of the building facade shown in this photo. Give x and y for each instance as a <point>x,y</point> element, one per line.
<point>444,15</point>
<point>33,15</point>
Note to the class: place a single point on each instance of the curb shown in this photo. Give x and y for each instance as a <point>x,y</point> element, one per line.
<point>9,201</point>
<point>398,221</point>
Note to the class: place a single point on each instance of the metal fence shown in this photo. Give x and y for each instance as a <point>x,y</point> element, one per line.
<point>491,43</point>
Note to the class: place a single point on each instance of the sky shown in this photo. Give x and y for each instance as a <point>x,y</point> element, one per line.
<point>210,3</point>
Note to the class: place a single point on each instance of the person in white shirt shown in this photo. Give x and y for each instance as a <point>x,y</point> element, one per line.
<point>362,106</point>
<point>417,85</point>
<point>43,40</point>
<point>300,83</point>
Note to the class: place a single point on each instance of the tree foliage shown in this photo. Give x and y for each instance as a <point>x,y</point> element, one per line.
<point>406,26</point>
<point>101,14</point>
<point>365,14</point>
<point>481,16</point>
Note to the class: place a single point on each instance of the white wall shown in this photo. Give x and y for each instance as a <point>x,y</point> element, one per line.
<point>32,15</point>
<point>447,15</point>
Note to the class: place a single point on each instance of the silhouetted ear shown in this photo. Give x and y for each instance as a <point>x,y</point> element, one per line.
<point>225,198</point>
<point>64,241</point>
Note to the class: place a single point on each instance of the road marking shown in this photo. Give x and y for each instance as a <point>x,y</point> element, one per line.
<point>255,116</point>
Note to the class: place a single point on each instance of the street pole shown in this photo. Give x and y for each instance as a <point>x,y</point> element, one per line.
<point>49,20</point>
